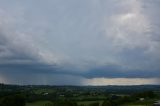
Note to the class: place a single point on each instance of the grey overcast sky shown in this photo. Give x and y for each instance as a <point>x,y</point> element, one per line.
<point>80,42</point>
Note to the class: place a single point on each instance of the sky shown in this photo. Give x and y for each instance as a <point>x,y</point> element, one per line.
<point>80,42</point>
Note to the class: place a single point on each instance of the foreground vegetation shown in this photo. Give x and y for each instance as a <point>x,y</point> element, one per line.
<point>13,95</point>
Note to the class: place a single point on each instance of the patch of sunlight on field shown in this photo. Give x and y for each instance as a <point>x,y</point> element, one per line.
<point>38,103</point>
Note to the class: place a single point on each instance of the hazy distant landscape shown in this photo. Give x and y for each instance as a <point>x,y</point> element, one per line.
<point>34,95</point>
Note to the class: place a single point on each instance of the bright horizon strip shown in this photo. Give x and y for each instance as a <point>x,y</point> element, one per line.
<point>93,81</point>
<point>122,81</point>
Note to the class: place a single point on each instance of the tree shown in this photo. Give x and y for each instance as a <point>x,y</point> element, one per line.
<point>14,100</point>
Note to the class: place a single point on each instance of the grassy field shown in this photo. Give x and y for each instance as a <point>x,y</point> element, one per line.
<point>87,103</point>
<point>42,103</point>
<point>39,103</point>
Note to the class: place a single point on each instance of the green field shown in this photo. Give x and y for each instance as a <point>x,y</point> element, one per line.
<point>42,103</point>
<point>87,103</point>
<point>39,103</point>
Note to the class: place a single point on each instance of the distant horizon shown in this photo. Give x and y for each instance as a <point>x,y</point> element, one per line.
<point>79,85</point>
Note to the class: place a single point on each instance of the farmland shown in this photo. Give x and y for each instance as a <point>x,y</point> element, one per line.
<point>33,95</point>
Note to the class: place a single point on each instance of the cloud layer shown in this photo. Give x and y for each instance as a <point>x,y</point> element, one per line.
<point>82,41</point>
